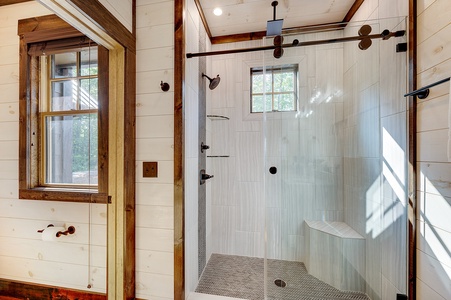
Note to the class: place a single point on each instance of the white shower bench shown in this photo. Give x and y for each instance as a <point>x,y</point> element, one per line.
<point>335,254</point>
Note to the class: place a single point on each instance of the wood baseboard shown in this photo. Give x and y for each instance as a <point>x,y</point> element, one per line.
<point>15,290</point>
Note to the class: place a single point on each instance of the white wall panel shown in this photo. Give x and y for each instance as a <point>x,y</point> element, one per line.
<point>121,9</point>
<point>10,92</point>
<point>434,232</point>
<point>23,256</point>
<point>155,104</point>
<point>155,142</point>
<point>154,14</point>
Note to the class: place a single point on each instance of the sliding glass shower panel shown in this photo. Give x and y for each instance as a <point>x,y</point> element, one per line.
<point>334,123</point>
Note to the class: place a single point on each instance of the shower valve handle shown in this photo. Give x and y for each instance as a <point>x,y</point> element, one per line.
<point>206,176</point>
<point>203,147</point>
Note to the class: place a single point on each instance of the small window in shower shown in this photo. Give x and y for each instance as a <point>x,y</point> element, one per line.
<point>274,88</point>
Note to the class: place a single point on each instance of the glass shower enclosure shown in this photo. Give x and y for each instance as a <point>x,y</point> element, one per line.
<point>308,148</point>
<point>335,161</point>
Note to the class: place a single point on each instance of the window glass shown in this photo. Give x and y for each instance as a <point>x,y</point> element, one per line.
<point>64,65</point>
<point>64,133</point>
<point>63,95</point>
<point>88,62</point>
<point>70,124</point>
<point>71,149</point>
<point>88,93</point>
<point>274,89</point>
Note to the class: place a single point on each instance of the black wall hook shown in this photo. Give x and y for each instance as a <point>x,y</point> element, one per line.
<point>164,86</point>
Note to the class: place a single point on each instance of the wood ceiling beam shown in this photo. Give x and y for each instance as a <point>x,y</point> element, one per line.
<point>354,8</point>
<point>202,17</point>
<point>8,2</point>
<point>242,37</point>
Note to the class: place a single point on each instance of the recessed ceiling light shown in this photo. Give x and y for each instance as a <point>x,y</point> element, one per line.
<point>217,11</point>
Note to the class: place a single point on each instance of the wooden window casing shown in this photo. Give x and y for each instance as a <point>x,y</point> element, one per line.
<point>50,34</point>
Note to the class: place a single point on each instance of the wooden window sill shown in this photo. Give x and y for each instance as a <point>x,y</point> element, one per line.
<point>65,195</point>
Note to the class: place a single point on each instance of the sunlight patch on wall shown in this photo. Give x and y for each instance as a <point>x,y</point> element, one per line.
<point>380,213</point>
<point>431,186</point>
<point>394,167</point>
<point>438,243</point>
<point>374,210</point>
<point>436,210</point>
<point>394,183</point>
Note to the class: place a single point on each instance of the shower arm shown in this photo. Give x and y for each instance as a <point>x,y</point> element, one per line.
<point>385,35</point>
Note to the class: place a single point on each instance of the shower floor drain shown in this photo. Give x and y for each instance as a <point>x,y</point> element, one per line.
<point>280,283</point>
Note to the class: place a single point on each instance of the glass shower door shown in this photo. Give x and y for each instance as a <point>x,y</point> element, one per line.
<point>335,160</point>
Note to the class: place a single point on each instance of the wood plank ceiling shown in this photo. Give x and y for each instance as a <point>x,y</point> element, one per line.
<point>249,17</point>
<point>246,19</point>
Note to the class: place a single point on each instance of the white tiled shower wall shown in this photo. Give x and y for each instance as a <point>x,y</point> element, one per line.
<point>314,167</point>
<point>375,159</point>
<point>366,125</point>
<point>192,77</point>
<point>385,223</point>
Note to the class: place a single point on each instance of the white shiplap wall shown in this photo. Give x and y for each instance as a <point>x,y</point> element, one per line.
<point>154,142</point>
<point>23,256</point>
<point>434,169</point>
<point>122,10</point>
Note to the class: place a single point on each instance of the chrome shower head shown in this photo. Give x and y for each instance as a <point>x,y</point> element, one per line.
<point>214,82</point>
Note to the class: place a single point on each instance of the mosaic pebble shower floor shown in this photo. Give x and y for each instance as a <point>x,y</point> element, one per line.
<point>242,277</point>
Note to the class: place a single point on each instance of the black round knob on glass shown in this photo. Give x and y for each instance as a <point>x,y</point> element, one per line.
<point>273,170</point>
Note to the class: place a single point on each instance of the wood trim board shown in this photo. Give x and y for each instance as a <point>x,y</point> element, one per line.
<point>32,32</point>
<point>179,136</point>
<point>412,155</point>
<point>121,216</point>
<point>97,13</point>
<point>9,2</point>
<point>352,11</point>
<point>24,290</point>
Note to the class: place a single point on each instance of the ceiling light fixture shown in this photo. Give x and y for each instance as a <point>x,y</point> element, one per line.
<point>217,11</point>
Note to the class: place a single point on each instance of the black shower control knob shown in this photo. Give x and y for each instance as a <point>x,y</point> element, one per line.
<point>203,147</point>
<point>273,170</point>
<point>206,176</point>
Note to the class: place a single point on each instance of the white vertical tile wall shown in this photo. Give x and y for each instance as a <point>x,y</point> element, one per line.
<point>375,171</point>
<point>306,150</point>
<point>192,77</point>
